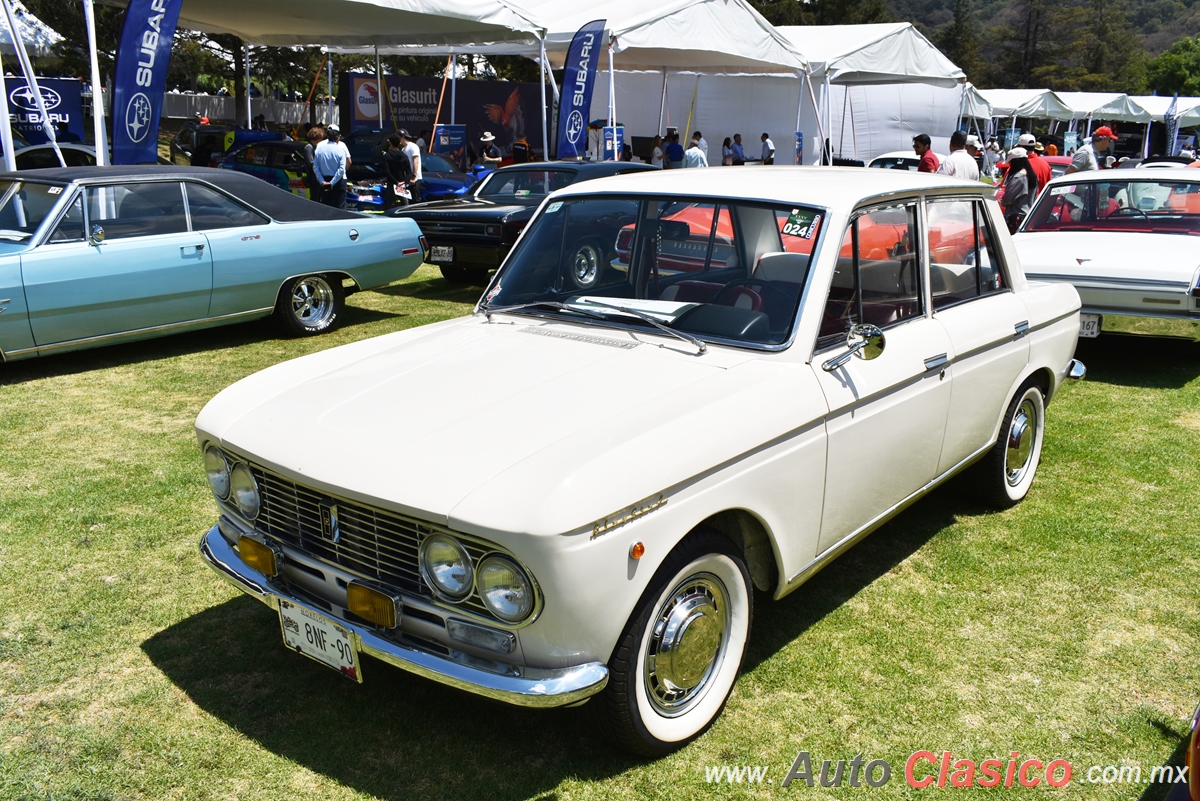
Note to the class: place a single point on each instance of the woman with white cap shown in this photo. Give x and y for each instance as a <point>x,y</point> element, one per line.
<point>1020,188</point>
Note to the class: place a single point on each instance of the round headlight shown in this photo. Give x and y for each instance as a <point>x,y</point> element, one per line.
<point>244,490</point>
<point>446,567</point>
<point>217,468</point>
<point>505,589</point>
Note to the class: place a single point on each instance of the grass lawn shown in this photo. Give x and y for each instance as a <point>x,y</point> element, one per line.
<point>1065,628</point>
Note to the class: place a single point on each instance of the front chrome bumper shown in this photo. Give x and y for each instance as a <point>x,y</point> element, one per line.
<point>535,688</point>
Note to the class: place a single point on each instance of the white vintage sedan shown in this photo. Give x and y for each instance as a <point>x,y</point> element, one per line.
<point>574,491</point>
<point>1128,240</point>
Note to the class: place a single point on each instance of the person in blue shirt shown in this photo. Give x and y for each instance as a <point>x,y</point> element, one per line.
<point>739,155</point>
<point>329,164</point>
<point>674,153</point>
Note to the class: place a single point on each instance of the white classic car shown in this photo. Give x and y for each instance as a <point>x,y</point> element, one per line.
<point>766,369</point>
<point>1126,240</point>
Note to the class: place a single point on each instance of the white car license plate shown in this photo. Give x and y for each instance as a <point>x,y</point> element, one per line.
<point>1089,325</point>
<point>319,638</point>
<point>441,253</point>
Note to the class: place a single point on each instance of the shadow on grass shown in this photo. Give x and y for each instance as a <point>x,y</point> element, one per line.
<point>1138,361</point>
<point>434,289</point>
<point>166,347</point>
<point>396,736</point>
<point>1160,791</point>
<point>777,623</point>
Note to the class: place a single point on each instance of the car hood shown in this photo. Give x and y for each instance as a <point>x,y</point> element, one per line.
<point>520,425</point>
<point>1102,256</point>
<point>464,210</point>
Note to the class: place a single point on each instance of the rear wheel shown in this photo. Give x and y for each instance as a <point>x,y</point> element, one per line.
<point>678,658</point>
<point>588,264</point>
<point>1005,475</point>
<point>464,275</point>
<point>310,305</point>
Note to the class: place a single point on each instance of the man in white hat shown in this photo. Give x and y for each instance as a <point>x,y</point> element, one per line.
<point>330,159</point>
<point>489,155</point>
<point>1041,167</point>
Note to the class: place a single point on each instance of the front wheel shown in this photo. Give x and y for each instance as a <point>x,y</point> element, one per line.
<point>1004,476</point>
<point>678,658</point>
<point>310,305</point>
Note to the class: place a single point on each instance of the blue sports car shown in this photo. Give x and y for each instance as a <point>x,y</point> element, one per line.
<point>95,255</point>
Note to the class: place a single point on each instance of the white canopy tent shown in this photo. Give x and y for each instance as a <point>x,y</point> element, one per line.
<point>39,38</point>
<point>1039,103</point>
<point>1156,106</point>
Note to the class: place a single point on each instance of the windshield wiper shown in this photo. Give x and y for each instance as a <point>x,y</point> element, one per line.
<point>554,304</point>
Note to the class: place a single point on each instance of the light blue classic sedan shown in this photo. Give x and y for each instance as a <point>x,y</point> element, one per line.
<point>95,255</point>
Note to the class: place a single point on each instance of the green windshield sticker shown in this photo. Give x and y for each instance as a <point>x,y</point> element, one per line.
<point>802,223</point>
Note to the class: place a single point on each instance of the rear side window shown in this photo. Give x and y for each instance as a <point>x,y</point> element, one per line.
<point>210,210</point>
<point>130,210</point>
<point>964,262</point>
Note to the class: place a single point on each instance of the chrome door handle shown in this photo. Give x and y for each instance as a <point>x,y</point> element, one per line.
<point>1021,328</point>
<point>937,362</point>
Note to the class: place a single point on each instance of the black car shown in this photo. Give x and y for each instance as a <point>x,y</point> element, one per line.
<point>470,236</point>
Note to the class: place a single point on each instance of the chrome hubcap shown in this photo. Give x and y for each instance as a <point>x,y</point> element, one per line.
<point>687,644</point>
<point>587,265</point>
<point>1021,435</point>
<point>312,301</point>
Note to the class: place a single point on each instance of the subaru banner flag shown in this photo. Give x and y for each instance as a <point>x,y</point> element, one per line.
<point>578,81</point>
<point>141,77</point>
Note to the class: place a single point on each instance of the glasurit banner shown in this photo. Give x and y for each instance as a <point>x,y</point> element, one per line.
<point>578,81</point>
<point>141,77</point>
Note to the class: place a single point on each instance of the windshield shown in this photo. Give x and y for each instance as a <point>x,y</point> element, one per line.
<point>431,162</point>
<point>717,269</point>
<point>1126,204</point>
<point>523,185</point>
<point>23,207</point>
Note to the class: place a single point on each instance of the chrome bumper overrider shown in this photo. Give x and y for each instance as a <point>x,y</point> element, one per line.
<point>536,688</point>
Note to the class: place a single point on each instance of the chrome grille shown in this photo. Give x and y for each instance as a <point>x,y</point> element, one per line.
<point>372,543</point>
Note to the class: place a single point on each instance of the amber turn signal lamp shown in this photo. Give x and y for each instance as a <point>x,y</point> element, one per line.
<point>372,605</point>
<point>637,550</point>
<point>261,557</point>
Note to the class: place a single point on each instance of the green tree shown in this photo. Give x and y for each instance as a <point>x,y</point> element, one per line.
<point>67,19</point>
<point>823,12</point>
<point>1177,70</point>
<point>960,41</point>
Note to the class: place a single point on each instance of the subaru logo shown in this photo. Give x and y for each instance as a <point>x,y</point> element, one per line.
<point>574,126</point>
<point>137,117</point>
<point>23,98</point>
<point>330,529</point>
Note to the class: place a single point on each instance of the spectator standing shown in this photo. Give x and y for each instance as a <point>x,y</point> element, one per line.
<point>739,153</point>
<point>959,164</point>
<point>727,152</point>
<point>64,134</point>
<point>399,173</point>
<point>768,150</point>
<point>656,157</point>
<point>423,141</point>
<point>694,155</point>
<point>674,153</point>
<point>417,185</point>
<point>1085,158</point>
<point>489,154</point>
<point>314,136</point>
<point>1034,148</point>
<point>975,150</point>
<point>1020,188</point>
<point>520,151</point>
<point>329,164</point>
<point>923,147</point>
<point>699,139</point>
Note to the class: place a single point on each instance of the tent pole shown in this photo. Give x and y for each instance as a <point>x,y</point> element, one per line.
<point>453,88</point>
<point>612,96</point>
<point>816,113</point>
<point>1145,142</point>
<point>89,17</point>
<point>662,103</point>
<point>842,127</point>
<point>800,101</point>
<point>246,59</point>
<point>542,83</point>
<point>328,85</point>
<point>31,79</point>
<point>853,130</point>
<point>379,85</point>
<point>1089,126</point>
<point>10,159</point>
<point>829,114</point>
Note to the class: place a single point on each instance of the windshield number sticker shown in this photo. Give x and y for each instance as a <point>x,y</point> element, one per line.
<point>53,190</point>
<point>1061,190</point>
<point>801,223</point>
<point>553,207</point>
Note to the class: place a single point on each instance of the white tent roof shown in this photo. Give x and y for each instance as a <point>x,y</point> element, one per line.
<point>1103,106</point>
<point>39,38</point>
<point>1156,106</point>
<point>884,53</point>
<point>976,104</point>
<point>1039,103</point>
<point>725,36</point>
<point>361,23</point>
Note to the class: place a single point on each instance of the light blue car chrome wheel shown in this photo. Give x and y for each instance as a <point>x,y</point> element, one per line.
<point>310,304</point>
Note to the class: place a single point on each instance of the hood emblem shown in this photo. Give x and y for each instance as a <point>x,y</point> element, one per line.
<point>1081,261</point>
<point>330,529</point>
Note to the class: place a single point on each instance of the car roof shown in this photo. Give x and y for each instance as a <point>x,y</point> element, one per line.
<point>589,168</point>
<point>821,186</point>
<point>271,200</point>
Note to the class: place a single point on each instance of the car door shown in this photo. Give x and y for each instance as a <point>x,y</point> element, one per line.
<point>149,271</point>
<point>886,414</point>
<point>985,320</point>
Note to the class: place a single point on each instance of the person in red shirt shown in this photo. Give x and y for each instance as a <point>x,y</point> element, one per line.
<point>923,147</point>
<point>1041,167</point>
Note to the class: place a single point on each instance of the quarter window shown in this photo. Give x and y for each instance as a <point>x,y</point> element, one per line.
<point>878,275</point>
<point>211,210</point>
<point>964,263</point>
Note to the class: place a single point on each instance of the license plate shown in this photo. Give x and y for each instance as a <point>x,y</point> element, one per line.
<point>319,638</point>
<point>441,253</point>
<point>1089,325</point>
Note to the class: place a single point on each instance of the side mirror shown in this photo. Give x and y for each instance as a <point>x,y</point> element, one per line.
<point>97,235</point>
<point>864,340</point>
